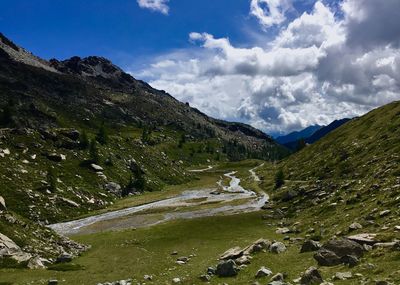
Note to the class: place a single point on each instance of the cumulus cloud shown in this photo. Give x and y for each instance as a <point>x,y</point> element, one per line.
<point>318,68</point>
<point>270,12</point>
<point>155,5</point>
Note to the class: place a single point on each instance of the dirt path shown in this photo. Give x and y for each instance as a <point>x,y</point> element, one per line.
<point>254,174</point>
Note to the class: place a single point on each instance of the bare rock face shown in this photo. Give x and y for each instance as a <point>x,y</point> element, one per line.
<point>232,253</point>
<point>8,248</point>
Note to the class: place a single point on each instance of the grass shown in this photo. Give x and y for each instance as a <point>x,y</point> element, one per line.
<point>134,253</point>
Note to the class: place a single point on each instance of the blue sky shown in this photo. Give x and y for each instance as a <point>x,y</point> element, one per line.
<point>279,65</point>
<point>120,29</point>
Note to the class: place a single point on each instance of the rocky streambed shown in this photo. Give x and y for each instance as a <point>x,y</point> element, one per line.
<point>221,200</point>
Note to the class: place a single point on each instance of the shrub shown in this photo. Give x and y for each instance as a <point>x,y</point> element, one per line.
<point>279,179</point>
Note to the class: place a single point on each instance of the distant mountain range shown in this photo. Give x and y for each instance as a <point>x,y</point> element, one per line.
<point>310,134</point>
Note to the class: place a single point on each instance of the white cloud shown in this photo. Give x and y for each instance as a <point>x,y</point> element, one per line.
<point>270,12</point>
<point>311,73</point>
<point>155,5</point>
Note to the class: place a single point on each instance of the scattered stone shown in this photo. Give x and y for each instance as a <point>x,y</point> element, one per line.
<point>2,204</point>
<point>38,263</point>
<point>263,272</point>
<point>384,213</point>
<point>309,246</point>
<point>205,278</point>
<point>113,188</point>
<point>8,248</point>
<point>174,252</point>
<point>381,282</point>
<point>52,282</point>
<point>176,280</point>
<point>311,277</point>
<point>277,247</point>
<point>278,277</point>
<point>283,231</point>
<point>70,202</point>
<point>244,259</point>
<point>364,238</point>
<point>54,157</point>
<point>257,246</point>
<point>96,167</point>
<point>349,260</point>
<point>342,276</point>
<point>355,226</point>
<point>227,268</point>
<point>64,257</point>
<point>232,253</point>
<point>148,277</point>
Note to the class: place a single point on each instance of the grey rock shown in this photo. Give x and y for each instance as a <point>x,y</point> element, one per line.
<point>277,247</point>
<point>113,188</point>
<point>355,226</point>
<point>263,272</point>
<point>64,257</point>
<point>211,271</point>
<point>384,213</point>
<point>309,246</point>
<point>342,275</point>
<point>257,246</point>
<point>278,277</point>
<point>311,277</point>
<point>342,247</point>
<point>96,167</point>
<point>52,282</point>
<point>227,268</point>
<point>244,259</point>
<point>8,248</point>
<point>349,260</point>
<point>205,278</point>
<point>326,257</point>
<point>2,204</point>
<point>232,253</point>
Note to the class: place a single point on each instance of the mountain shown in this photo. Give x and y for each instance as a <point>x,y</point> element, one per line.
<point>77,134</point>
<point>295,136</point>
<point>310,134</point>
<point>323,131</point>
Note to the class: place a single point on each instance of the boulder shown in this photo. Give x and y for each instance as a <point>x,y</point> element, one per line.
<point>342,276</point>
<point>96,167</point>
<point>355,226</point>
<point>277,247</point>
<point>342,247</point>
<point>311,277</point>
<point>283,231</point>
<point>8,248</point>
<point>232,253</point>
<point>364,238</point>
<point>327,258</point>
<point>349,260</point>
<point>309,246</point>
<point>244,259</point>
<point>263,272</point>
<point>227,268</point>
<point>2,204</point>
<point>278,277</point>
<point>64,257</point>
<point>38,263</point>
<point>113,188</point>
<point>257,246</point>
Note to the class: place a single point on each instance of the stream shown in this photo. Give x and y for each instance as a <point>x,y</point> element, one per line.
<point>222,200</point>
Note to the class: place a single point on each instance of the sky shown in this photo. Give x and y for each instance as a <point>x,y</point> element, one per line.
<point>279,65</point>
